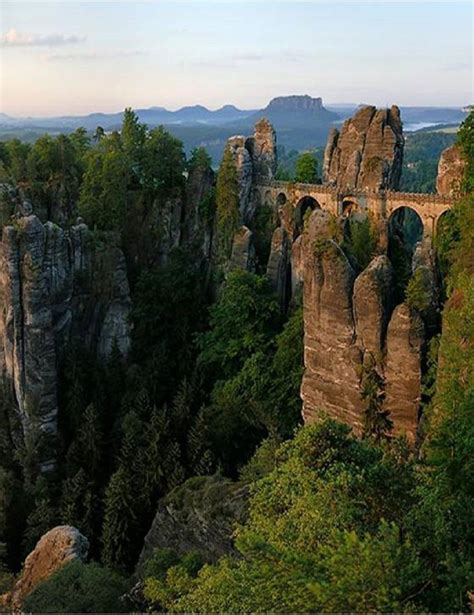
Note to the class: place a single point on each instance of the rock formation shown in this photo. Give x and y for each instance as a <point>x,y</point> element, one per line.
<point>451,170</point>
<point>55,549</point>
<point>349,327</point>
<point>55,286</point>
<point>405,341</point>
<point>263,151</point>
<point>279,265</point>
<point>373,305</point>
<point>243,251</point>
<point>255,160</point>
<point>331,379</point>
<point>368,151</point>
<point>198,516</point>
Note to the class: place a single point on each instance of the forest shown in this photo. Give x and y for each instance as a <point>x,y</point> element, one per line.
<point>209,391</point>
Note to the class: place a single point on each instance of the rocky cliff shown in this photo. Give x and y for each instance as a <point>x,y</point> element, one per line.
<point>367,152</point>
<point>255,160</point>
<point>198,516</point>
<point>56,285</point>
<point>451,170</point>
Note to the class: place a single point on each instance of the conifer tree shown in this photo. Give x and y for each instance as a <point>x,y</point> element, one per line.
<point>77,503</point>
<point>119,526</point>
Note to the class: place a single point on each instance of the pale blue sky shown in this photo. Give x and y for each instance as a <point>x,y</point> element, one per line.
<point>76,57</point>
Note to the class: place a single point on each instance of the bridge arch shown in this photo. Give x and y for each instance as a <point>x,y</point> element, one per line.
<point>303,206</point>
<point>349,206</point>
<point>407,224</point>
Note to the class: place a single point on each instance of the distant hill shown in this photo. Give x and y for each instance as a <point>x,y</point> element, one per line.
<point>301,122</point>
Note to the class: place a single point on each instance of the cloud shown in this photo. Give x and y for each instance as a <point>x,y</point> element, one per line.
<point>90,56</point>
<point>13,38</point>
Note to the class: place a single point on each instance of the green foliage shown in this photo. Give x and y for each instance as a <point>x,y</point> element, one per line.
<point>174,578</point>
<point>322,536</point>
<point>199,159</point>
<point>465,140</point>
<point>377,423</point>
<point>241,322</point>
<point>227,204</point>
<point>360,240</point>
<point>306,169</point>
<point>103,199</point>
<point>168,308</point>
<point>79,588</point>
<point>420,160</point>
<point>418,293</point>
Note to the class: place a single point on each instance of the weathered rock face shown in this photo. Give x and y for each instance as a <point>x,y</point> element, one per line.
<point>368,151</point>
<point>243,251</point>
<point>198,516</point>
<point>332,360</point>
<point>451,169</point>
<point>279,264</point>
<point>348,326</point>
<point>240,148</point>
<point>55,286</point>
<point>256,160</point>
<point>263,151</point>
<point>198,214</point>
<point>372,305</point>
<point>405,341</point>
<point>59,546</point>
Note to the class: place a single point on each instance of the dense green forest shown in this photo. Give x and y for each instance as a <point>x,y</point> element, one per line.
<point>211,387</point>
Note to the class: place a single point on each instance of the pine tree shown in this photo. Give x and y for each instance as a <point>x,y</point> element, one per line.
<point>174,470</point>
<point>120,520</point>
<point>77,503</point>
<point>200,458</point>
<point>86,451</point>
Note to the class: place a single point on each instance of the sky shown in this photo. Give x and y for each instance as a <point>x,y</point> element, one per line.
<point>70,57</point>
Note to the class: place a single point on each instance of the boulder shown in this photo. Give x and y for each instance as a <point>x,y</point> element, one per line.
<point>55,549</point>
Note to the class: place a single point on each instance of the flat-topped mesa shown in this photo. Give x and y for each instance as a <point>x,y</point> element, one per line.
<point>367,153</point>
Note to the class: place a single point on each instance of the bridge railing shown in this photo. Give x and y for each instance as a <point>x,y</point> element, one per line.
<point>409,197</point>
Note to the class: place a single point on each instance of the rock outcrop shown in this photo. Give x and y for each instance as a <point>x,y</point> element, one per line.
<point>405,342</point>
<point>198,516</point>
<point>55,286</point>
<point>372,305</point>
<point>349,327</point>
<point>263,151</point>
<point>58,547</point>
<point>451,169</point>
<point>243,251</point>
<point>255,160</point>
<point>279,265</point>
<point>331,378</point>
<point>368,151</point>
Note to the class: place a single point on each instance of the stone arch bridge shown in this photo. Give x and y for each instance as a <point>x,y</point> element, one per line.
<point>295,197</point>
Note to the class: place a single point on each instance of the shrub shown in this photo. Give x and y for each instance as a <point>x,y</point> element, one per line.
<point>79,588</point>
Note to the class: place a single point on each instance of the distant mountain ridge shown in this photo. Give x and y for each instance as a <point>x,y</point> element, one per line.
<point>282,107</point>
